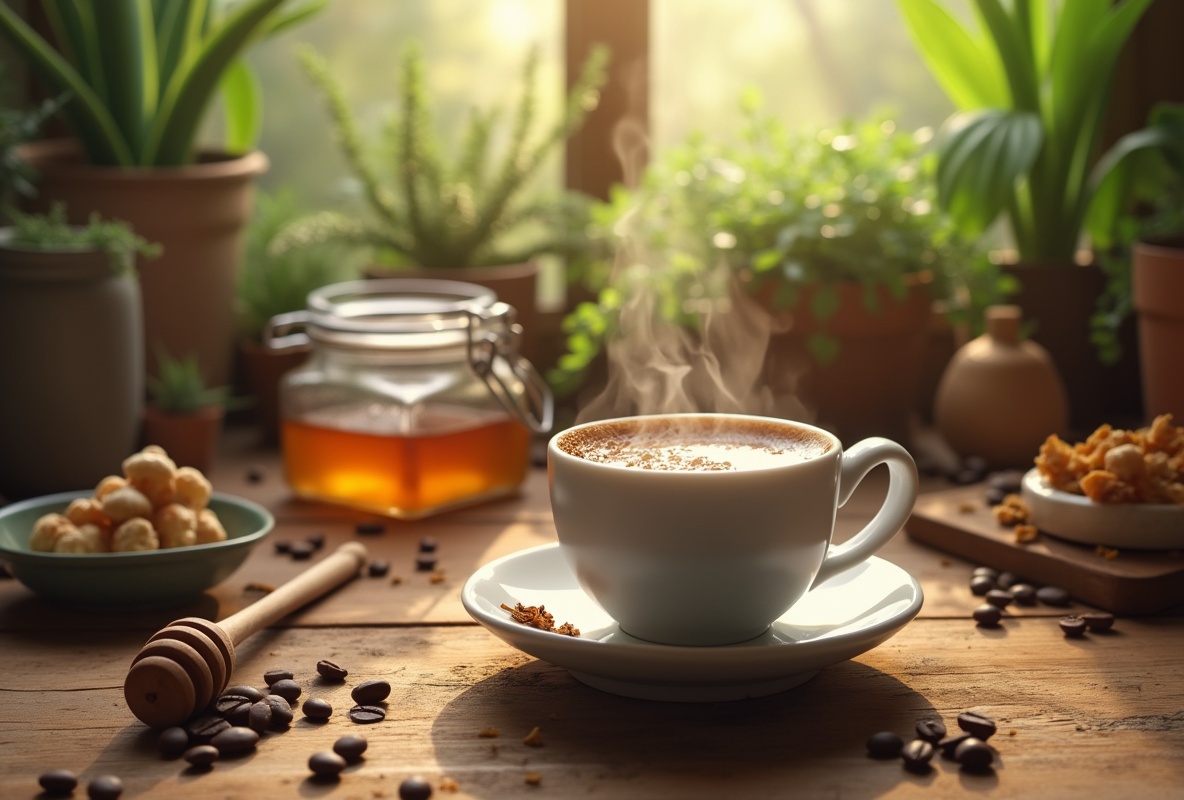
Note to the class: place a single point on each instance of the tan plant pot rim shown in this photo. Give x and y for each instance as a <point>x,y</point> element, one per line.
<point>52,156</point>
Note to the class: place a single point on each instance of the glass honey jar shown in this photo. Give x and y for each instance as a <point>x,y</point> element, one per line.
<point>414,399</point>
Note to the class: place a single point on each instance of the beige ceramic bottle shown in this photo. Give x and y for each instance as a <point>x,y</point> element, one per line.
<point>1000,396</point>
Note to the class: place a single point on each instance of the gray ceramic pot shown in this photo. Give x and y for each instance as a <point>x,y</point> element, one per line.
<point>71,369</point>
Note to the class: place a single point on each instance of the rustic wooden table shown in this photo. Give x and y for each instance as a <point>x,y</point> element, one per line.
<point>1097,716</point>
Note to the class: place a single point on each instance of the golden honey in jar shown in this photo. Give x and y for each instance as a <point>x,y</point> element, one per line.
<point>414,400</point>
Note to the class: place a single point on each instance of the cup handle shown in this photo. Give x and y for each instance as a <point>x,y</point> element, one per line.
<point>903,485</point>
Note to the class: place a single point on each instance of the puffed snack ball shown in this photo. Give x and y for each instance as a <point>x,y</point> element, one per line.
<point>153,473</point>
<point>176,525</point>
<point>87,511</point>
<point>209,527</point>
<point>192,488</point>
<point>125,503</point>
<point>135,534</point>
<point>86,538</point>
<point>47,530</point>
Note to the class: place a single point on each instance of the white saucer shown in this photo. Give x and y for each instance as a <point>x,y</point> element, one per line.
<point>1143,526</point>
<point>847,615</point>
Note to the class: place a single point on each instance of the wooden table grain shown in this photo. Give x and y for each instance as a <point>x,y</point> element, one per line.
<point>1101,716</point>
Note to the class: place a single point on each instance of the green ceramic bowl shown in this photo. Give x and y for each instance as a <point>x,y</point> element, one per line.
<point>172,576</point>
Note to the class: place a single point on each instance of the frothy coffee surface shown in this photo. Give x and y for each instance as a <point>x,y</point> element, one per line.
<point>694,444</point>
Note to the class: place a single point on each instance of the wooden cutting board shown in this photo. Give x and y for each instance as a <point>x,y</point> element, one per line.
<point>958,521</point>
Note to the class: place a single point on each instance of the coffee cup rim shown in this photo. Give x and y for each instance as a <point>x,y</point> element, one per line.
<point>835,448</point>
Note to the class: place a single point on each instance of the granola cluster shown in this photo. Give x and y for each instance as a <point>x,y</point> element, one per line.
<point>539,617</point>
<point>1145,465</point>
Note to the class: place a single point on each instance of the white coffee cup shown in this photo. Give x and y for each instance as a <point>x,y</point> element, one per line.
<point>703,543</point>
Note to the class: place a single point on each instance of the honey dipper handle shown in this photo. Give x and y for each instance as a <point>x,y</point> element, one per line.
<point>334,570</point>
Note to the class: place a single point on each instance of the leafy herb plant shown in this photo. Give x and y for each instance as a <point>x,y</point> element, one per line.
<point>180,388</point>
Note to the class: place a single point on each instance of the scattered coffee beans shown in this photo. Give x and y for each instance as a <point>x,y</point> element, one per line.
<point>273,675</point>
<point>173,741</point>
<point>1000,598</point>
<point>1053,596</point>
<point>990,572</point>
<point>1007,480</point>
<point>427,544</point>
<point>917,754</point>
<point>1007,579</point>
<point>202,755</point>
<point>368,693</point>
<point>259,716</point>
<point>949,745</point>
<point>282,547</point>
<point>350,747</point>
<point>281,711</point>
<point>370,528</point>
<point>235,741</point>
<point>931,730</point>
<point>331,672</point>
<point>425,562</point>
<point>987,616</point>
<point>884,744</point>
<point>256,474</point>
<point>317,709</point>
<point>249,692</point>
<point>204,728</point>
<point>981,584</point>
<point>1072,626</point>
<point>301,551</point>
<point>367,715</point>
<point>58,781</point>
<point>977,725</point>
<point>974,755</point>
<point>378,569</point>
<point>104,787</point>
<point>316,540</point>
<point>415,788</point>
<point>1024,594</point>
<point>326,764</point>
<point>233,707</point>
<point>287,689</point>
<point>1098,621</point>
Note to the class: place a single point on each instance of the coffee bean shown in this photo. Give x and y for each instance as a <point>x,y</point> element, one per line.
<point>377,569</point>
<point>233,708</point>
<point>1008,579</point>
<point>884,744</point>
<point>1072,626</point>
<point>256,474</point>
<point>1099,621</point>
<point>427,544</point>
<point>917,754</point>
<point>977,725</point>
<point>931,730</point>
<point>996,496</point>
<point>331,672</point>
<point>317,709</point>
<point>273,675</point>
<point>1008,480</point>
<point>414,788</point>
<point>317,540</point>
<point>370,528</point>
<point>367,715</point>
<point>974,755</point>
<point>350,747</point>
<point>981,584</point>
<point>301,551</point>
<point>949,745</point>
<point>173,741</point>
<point>202,755</point>
<point>1024,593</point>
<point>282,546</point>
<point>287,689</point>
<point>204,728</point>
<point>990,572</point>
<point>281,711</point>
<point>1053,596</point>
<point>326,764</point>
<point>1000,598</point>
<point>987,616</point>
<point>425,563</point>
<point>58,781</point>
<point>104,787</point>
<point>249,692</point>
<point>235,741</point>
<point>367,693</point>
<point>259,718</point>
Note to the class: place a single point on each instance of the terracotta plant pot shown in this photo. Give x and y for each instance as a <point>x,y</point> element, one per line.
<point>516,284</point>
<point>1158,279</point>
<point>870,388</point>
<point>196,213</point>
<point>191,440</point>
<point>71,369</point>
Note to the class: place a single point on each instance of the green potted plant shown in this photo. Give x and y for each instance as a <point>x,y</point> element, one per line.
<point>138,78</point>
<point>70,315</point>
<point>834,232</point>
<point>1030,81</point>
<point>476,216</point>
<point>273,282</point>
<point>184,414</point>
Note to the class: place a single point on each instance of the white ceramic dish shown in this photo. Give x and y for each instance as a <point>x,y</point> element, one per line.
<point>841,618</point>
<point>1142,526</point>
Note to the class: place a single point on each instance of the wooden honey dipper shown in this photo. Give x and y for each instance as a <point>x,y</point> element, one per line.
<point>185,665</point>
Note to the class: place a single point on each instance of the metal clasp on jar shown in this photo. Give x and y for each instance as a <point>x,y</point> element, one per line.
<point>487,345</point>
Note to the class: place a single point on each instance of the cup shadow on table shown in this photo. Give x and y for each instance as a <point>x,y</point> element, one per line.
<point>819,728</point>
